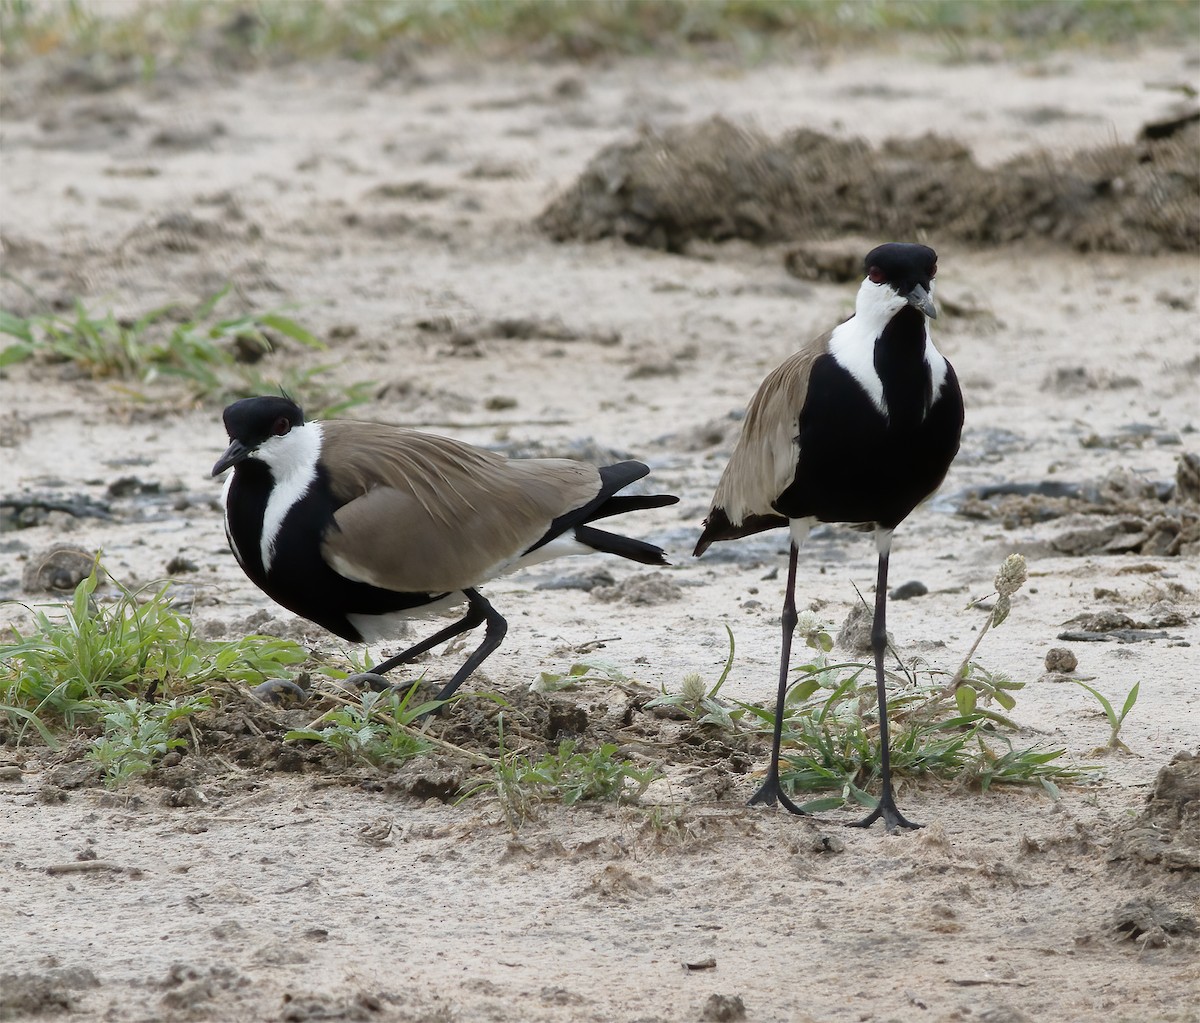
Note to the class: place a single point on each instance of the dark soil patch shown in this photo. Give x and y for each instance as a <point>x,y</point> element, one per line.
<point>241,736</point>
<point>716,180</point>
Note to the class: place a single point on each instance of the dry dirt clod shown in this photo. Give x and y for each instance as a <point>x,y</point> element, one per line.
<point>59,568</point>
<point>855,634</point>
<point>1167,832</point>
<point>646,589</point>
<point>1151,922</point>
<point>908,590</point>
<point>1187,478</point>
<point>723,1008</point>
<point>24,995</point>
<point>1060,659</point>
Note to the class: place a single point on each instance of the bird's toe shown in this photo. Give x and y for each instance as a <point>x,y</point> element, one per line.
<point>367,680</point>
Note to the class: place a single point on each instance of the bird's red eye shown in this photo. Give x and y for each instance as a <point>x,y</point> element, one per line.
<point>282,425</point>
<point>876,276</point>
<point>933,271</point>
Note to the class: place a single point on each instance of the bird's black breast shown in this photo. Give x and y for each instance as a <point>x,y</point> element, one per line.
<point>857,464</point>
<point>298,576</point>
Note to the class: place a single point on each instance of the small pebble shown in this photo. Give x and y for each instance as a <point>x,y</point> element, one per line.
<point>907,590</point>
<point>180,564</point>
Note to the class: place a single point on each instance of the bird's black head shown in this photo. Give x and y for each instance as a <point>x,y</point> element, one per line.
<point>251,422</point>
<point>907,269</point>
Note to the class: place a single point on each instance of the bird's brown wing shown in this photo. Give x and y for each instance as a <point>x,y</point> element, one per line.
<point>765,457</point>
<point>430,514</point>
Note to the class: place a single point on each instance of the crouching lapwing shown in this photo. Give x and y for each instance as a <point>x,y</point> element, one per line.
<point>357,525</point>
<point>859,426</point>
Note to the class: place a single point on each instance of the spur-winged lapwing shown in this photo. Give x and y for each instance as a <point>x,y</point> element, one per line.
<point>354,525</point>
<point>859,426</point>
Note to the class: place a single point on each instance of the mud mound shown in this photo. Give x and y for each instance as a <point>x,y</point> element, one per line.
<point>1157,519</point>
<point>715,180</point>
<point>1167,832</point>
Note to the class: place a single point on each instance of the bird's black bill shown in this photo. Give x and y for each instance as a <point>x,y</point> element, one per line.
<point>921,299</point>
<point>236,452</point>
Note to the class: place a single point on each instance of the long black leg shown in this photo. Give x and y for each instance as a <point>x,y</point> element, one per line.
<point>473,617</point>
<point>770,792</point>
<point>492,637</point>
<point>886,808</point>
<point>478,610</point>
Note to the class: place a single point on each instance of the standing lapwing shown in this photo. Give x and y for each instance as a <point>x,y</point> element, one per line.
<point>357,525</point>
<point>859,426</point>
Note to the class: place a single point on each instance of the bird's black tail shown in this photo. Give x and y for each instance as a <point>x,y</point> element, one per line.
<point>613,543</point>
<point>606,503</point>
<point>718,527</point>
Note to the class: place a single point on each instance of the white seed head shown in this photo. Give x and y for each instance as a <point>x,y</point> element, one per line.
<point>1000,611</point>
<point>808,624</point>
<point>1012,575</point>
<point>694,689</point>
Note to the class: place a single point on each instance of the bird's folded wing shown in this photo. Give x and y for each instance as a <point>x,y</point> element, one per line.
<point>764,460</point>
<point>426,514</point>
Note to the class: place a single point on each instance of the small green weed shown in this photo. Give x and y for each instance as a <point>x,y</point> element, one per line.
<point>1115,720</point>
<point>93,650</point>
<point>567,775</point>
<point>573,775</point>
<point>831,739</point>
<point>379,731</point>
<point>136,734</point>
<point>956,730</point>
<point>586,669</point>
<point>143,348</point>
<point>701,703</point>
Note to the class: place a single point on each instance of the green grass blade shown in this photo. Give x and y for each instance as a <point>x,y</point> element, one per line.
<point>1130,700</point>
<point>290,328</point>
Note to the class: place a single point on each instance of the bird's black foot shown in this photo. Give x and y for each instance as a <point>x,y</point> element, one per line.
<point>887,812</point>
<point>282,692</point>
<point>771,792</point>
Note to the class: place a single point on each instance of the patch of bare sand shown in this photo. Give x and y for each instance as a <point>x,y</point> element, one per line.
<point>397,216</point>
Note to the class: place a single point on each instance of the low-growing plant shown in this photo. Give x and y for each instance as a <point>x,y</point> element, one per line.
<point>956,730</point>
<point>280,31</point>
<point>216,357</point>
<point>700,702</point>
<point>567,774</point>
<point>572,774</point>
<point>147,346</point>
<point>1115,719</point>
<point>137,734</point>
<point>586,669</point>
<point>92,650</point>
<point>379,731</point>
<point>831,740</point>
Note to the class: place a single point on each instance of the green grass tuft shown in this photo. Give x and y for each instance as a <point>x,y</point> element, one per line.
<point>92,651</point>
<point>215,357</point>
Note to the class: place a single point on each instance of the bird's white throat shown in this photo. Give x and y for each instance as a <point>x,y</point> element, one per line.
<point>852,343</point>
<point>292,460</point>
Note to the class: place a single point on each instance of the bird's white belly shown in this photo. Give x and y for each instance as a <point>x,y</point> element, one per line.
<point>380,628</point>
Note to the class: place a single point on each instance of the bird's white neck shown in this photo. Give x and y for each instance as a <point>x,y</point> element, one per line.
<point>292,460</point>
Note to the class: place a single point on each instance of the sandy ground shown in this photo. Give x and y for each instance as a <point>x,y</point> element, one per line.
<point>380,208</point>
